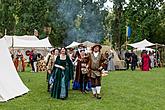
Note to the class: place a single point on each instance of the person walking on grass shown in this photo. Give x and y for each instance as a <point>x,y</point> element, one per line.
<point>82,71</point>
<point>95,66</point>
<point>111,65</point>
<point>50,64</point>
<point>146,62</point>
<point>127,59</point>
<point>31,60</point>
<point>134,60</point>
<point>62,73</point>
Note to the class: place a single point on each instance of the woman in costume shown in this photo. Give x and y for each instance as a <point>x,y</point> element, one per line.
<point>152,59</point>
<point>19,62</point>
<point>76,84</point>
<point>62,73</point>
<point>111,65</point>
<point>82,70</point>
<point>145,61</point>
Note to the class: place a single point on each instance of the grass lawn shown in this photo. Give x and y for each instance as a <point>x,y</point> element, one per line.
<point>121,90</point>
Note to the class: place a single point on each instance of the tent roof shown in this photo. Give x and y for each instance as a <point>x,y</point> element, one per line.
<point>73,44</point>
<point>31,43</point>
<point>11,85</point>
<point>9,39</point>
<point>88,44</point>
<point>142,44</point>
<point>105,48</point>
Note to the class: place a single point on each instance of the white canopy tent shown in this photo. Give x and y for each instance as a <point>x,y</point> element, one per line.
<point>10,39</point>
<point>88,44</point>
<point>142,44</point>
<point>31,43</point>
<point>147,49</point>
<point>11,85</point>
<point>73,44</point>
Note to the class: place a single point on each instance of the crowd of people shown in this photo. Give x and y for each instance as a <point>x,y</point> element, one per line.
<point>146,61</point>
<point>84,69</point>
<point>21,59</point>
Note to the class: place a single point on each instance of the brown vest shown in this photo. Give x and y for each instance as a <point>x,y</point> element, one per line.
<point>95,61</point>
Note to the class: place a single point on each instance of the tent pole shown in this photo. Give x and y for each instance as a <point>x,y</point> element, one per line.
<point>13,46</point>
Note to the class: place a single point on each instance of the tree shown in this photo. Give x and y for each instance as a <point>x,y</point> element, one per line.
<point>7,19</point>
<point>145,18</point>
<point>117,23</point>
<point>31,15</point>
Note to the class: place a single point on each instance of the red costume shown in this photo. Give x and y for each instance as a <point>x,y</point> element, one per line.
<point>19,61</point>
<point>145,62</point>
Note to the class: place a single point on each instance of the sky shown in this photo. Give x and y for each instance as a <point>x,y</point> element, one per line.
<point>109,5</point>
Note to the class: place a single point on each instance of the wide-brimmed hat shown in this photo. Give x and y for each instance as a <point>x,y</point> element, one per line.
<point>81,45</point>
<point>52,49</point>
<point>96,45</point>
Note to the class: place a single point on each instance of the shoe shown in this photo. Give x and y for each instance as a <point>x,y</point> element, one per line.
<point>83,91</point>
<point>94,95</point>
<point>63,98</point>
<point>98,96</point>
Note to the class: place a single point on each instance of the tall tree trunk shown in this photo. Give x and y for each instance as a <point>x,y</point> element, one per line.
<point>117,27</point>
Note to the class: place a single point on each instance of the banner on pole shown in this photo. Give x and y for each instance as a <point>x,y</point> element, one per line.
<point>128,32</point>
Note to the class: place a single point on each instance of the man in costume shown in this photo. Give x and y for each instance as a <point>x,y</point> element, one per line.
<point>127,58</point>
<point>95,66</point>
<point>31,59</point>
<point>134,60</point>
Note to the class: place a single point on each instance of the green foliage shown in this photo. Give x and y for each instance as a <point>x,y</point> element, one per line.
<point>145,19</point>
<point>106,41</point>
<point>84,20</point>
<point>58,31</point>
<point>7,16</point>
<point>121,90</point>
<point>117,22</point>
<point>31,15</point>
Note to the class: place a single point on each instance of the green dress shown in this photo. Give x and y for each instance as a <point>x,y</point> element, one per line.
<point>61,78</point>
